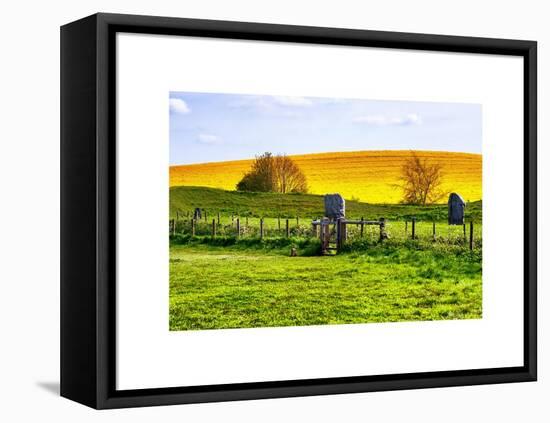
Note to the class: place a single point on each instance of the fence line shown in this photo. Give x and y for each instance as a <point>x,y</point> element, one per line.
<point>345,230</point>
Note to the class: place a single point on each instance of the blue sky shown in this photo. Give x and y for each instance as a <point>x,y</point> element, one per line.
<point>206,127</point>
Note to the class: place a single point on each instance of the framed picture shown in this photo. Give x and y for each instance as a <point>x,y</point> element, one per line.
<point>258,211</point>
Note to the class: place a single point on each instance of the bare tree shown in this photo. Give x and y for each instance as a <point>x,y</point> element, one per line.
<point>421,181</point>
<point>273,174</point>
<point>288,176</point>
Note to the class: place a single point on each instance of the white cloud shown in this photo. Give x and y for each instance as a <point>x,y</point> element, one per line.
<point>292,101</point>
<point>208,139</point>
<point>382,120</point>
<point>282,105</point>
<point>272,105</point>
<point>332,100</point>
<point>177,105</point>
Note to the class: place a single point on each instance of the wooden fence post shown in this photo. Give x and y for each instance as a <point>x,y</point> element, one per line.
<point>383,234</point>
<point>287,229</point>
<point>413,227</point>
<point>324,235</point>
<point>193,227</point>
<point>279,222</point>
<point>339,235</point>
<point>261,228</point>
<point>406,227</point>
<point>344,229</point>
<point>238,227</point>
<point>433,230</point>
<point>471,235</point>
<point>246,220</point>
<point>464,231</point>
<point>218,218</point>
<point>297,221</point>
<point>213,228</point>
<point>362,226</point>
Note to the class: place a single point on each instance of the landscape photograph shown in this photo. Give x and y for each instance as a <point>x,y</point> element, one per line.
<point>298,211</point>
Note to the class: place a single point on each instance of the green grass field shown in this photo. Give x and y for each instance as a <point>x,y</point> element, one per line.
<point>259,285</point>
<point>396,230</point>
<point>272,205</point>
<point>242,282</point>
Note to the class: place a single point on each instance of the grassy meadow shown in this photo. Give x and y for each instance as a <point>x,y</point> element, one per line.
<point>367,176</point>
<point>308,206</point>
<point>256,284</point>
<point>244,278</point>
<point>227,281</point>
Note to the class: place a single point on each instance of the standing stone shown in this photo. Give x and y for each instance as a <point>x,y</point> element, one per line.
<point>335,206</point>
<point>456,209</point>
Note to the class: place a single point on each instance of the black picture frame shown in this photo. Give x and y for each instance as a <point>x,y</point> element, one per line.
<point>88,198</point>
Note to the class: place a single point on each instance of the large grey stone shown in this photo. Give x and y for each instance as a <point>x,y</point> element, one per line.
<point>335,206</point>
<point>456,209</point>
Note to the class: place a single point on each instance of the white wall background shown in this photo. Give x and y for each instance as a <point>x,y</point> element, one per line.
<point>29,212</point>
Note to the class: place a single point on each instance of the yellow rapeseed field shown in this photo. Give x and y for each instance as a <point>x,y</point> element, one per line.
<point>369,176</point>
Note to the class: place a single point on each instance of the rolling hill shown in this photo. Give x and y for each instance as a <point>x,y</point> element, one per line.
<point>366,176</point>
<point>267,204</point>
